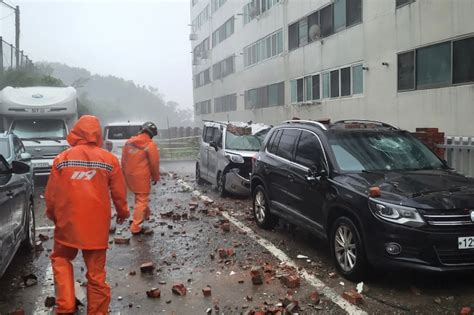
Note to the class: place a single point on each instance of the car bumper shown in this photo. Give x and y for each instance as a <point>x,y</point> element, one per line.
<point>425,248</point>
<point>237,184</point>
<point>42,167</point>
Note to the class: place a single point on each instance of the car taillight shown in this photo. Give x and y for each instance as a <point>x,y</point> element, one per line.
<point>109,146</point>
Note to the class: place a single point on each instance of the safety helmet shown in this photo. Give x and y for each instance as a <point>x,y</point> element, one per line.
<point>150,128</point>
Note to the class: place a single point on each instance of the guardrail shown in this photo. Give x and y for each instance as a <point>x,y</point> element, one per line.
<point>179,148</point>
<point>459,153</point>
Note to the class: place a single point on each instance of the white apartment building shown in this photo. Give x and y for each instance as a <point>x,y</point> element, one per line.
<point>405,62</point>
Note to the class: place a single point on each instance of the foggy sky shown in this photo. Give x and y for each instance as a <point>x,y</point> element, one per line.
<point>143,41</point>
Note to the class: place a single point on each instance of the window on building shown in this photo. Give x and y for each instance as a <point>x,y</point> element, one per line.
<point>265,96</point>
<point>216,4</point>
<point>201,19</point>
<point>225,103</point>
<point>265,48</point>
<point>406,71</point>
<point>315,83</point>
<point>203,108</point>
<point>400,3</point>
<point>293,88</point>
<point>326,21</point>
<point>293,36</point>
<point>353,12</point>
<point>313,21</point>
<point>308,86</point>
<point>326,85</point>
<point>433,65</point>
<point>287,143</point>
<point>463,61</point>
<point>223,68</point>
<point>339,14</point>
<point>357,79</point>
<point>202,78</point>
<point>299,90</point>
<point>223,32</point>
<point>303,31</point>
<point>335,83</point>
<point>346,81</point>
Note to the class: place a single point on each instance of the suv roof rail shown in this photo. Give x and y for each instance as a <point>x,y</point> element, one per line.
<point>365,121</point>
<point>302,121</point>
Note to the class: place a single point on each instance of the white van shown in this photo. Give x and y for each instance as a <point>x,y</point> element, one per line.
<point>41,117</point>
<point>117,134</point>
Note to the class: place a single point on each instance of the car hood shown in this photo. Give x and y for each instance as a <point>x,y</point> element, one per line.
<point>245,154</point>
<point>431,189</point>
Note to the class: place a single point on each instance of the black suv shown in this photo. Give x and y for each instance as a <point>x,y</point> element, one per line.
<point>375,192</point>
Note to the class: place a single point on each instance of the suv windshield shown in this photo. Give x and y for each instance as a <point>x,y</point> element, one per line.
<point>122,132</point>
<point>5,148</point>
<point>244,142</point>
<point>39,129</point>
<point>381,151</point>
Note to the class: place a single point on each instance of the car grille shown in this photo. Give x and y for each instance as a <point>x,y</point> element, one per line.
<point>455,256</point>
<point>453,220</point>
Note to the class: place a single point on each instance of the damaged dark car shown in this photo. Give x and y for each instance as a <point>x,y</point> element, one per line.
<point>377,194</point>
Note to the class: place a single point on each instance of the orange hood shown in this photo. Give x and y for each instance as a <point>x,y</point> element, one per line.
<point>86,131</point>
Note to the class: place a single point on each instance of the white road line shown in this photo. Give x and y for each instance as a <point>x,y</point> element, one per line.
<point>312,280</point>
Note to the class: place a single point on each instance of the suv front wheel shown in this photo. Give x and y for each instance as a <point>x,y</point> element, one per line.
<point>347,249</point>
<point>261,210</point>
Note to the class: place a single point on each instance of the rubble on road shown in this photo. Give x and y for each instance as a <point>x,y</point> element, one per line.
<point>50,301</point>
<point>257,275</point>
<point>120,240</point>
<point>179,289</point>
<point>147,267</point>
<point>154,293</point>
<point>30,280</point>
<point>291,281</point>
<point>353,297</point>
<point>43,238</point>
<point>466,311</point>
<point>206,291</point>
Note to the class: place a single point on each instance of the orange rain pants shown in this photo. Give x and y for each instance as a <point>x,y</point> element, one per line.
<point>98,291</point>
<point>141,212</point>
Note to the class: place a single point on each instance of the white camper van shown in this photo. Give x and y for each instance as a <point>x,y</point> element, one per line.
<point>41,117</point>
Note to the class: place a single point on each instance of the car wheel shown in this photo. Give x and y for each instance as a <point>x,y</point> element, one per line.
<point>347,249</point>
<point>261,210</point>
<point>199,179</point>
<point>30,229</point>
<point>221,184</point>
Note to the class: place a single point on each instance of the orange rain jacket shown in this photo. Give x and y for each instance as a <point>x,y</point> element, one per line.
<point>79,188</point>
<point>140,163</point>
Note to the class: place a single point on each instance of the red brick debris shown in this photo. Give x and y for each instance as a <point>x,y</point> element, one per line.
<point>179,289</point>
<point>466,311</point>
<point>352,296</point>
<point>19,311</point>
<point>290,280</point>
<point>154,293</point>
<point>120,240</point>
<point>431,137</point>
<point>207,291</point>
<point>147,267</point>
<point>257,275</point>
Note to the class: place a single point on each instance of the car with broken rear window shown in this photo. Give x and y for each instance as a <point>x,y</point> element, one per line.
<point>225,155</point>
<point>376,193</point>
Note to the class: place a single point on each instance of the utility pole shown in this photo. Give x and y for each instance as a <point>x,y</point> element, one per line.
<point>17,34</point>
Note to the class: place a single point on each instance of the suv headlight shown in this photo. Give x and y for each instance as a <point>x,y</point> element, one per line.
<point>396,213</point>
<point>234,158</point>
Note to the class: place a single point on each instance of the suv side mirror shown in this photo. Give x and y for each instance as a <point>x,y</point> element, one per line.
<point>214,145</point>
<point>20,167</point>
<point>25,157</point>
<point>315,174</point>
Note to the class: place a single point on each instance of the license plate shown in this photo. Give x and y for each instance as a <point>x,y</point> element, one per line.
<point>466,242</point>
<point>41,165</point>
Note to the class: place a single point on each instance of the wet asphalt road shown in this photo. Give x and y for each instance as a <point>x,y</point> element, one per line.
<point>181,251</point>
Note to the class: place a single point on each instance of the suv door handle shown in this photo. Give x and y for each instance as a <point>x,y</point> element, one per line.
<point>291,177</point>
<point>10,194</point>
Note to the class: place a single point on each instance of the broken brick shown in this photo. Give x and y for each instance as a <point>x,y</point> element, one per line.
<point>222,253</point>
<point>39,246</point>
<point>314,297</point>
<point>132,273</point>
<point>50,301</point>
<point>291,281</point>
<point>179,289</point>
<point>154,293</point>
<point>466,311</point>
<point>230,252</point>
<point>353,297</point>
<point>43,238</point>
<point>120,240</point>
<point>206,291</point>
<point>19,311</point>
<point>256,273</point>
<point>147,267</point>
<point>225,227</point>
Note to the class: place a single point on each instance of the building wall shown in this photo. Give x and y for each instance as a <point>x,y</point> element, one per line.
<point>384,32</point>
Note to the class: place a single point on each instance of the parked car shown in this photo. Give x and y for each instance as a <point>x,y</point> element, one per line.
<point>225,155</point>
<point>17,218</point>
<point>377,194</point>
<point>12,149</point>
<point>116,135</point>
